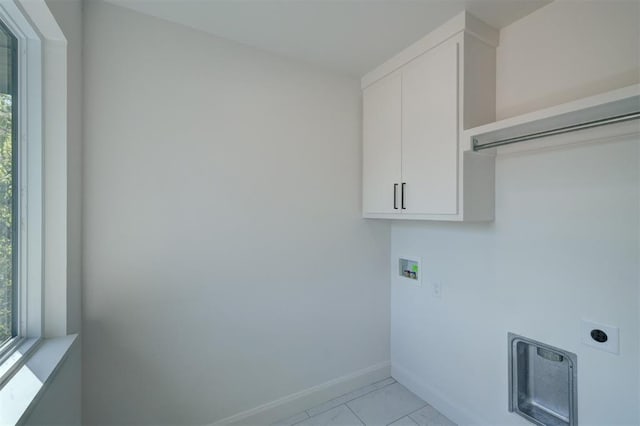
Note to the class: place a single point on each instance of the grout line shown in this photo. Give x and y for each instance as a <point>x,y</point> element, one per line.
<point>409,415</point>
<point>360,396</point>
<point>303,420</point>
<point>352,399</point>
<point>345,404</point>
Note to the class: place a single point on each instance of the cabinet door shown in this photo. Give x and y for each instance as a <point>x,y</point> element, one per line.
<point>430,131</point>
<point>381,147</point>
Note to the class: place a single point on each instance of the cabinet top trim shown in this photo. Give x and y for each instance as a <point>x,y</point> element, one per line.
<point>463,22</point>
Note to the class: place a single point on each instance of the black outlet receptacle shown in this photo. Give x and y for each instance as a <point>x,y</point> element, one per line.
<point>599,336</point>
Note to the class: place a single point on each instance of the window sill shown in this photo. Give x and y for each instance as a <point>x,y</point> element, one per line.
<point>33,367</point>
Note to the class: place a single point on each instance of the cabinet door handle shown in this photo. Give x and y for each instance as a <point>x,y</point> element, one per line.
<point>402,196</point>
<point>395,192</point>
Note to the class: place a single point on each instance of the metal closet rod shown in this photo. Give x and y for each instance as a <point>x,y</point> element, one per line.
<point>558,131</point>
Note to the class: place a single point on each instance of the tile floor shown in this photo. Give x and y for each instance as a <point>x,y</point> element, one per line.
<point>383,403</point>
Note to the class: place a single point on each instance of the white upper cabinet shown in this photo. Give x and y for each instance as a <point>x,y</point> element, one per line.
<point>430,130</point>
<point>414,108</point>
<point>382,131</point>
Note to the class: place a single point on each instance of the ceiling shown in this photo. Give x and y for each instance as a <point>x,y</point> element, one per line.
<point>349,36</point>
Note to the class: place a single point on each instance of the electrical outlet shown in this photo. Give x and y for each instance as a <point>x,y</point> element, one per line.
<point>437,289</point>
<point>600,336</point>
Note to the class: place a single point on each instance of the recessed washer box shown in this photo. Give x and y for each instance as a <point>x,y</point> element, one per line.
<point>410,268</point>
<point>542,382</point>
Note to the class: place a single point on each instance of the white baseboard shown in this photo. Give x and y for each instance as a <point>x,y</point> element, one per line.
<point>297,402</point>
<point>458,414</point>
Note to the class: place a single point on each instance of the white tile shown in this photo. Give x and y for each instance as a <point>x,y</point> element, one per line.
<point>339,416</point>
<point>429,416</point>
<point>386,405</point>
<point>292,420</point>
<point>349,396</point>
<point>405,421</point>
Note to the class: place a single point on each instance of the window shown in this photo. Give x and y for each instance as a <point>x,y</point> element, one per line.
<point>8,186</point>
<point>33,249</point>
<point>33,238</point>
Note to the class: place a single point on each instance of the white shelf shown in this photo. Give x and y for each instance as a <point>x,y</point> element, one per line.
<point>609,104</point>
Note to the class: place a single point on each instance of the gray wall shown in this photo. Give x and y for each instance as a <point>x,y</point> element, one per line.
<point>564,245</point>
<point>226,263</point>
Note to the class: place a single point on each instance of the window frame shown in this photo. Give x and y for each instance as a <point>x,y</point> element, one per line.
<point>28,183</point>
<point>15,183</point>
<point>15,187</point>
<point>42,120</point>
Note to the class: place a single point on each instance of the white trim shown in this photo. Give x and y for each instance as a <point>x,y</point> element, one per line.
<point>36,370</point>
<point>437,399</point>
<point>55,186</point>
<point>46,195</point>
<point>15,357</point>
<point>31,188</point>
<point>16,20</point>
<point>310,397</point>
<point>42,20</point>
<point>42,116</point>
<point>406,216</point>
<point>29,125</point>
<point>54,174</point>
<point>463,22</point>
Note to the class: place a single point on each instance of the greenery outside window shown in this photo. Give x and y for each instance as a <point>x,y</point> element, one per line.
<point>9,291</point>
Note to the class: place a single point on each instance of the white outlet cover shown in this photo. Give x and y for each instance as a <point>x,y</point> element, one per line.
<point>613,336</point>
<point>437,289</point>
